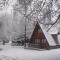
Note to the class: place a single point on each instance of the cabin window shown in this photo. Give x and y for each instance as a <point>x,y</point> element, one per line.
<point>43,40</point>
<point>37,41</point>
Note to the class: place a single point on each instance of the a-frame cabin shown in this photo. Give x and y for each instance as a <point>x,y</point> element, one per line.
<point>41,39</point>
<point>38,39</point>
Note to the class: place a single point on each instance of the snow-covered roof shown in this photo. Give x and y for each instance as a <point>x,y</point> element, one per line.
<point>48,37</point>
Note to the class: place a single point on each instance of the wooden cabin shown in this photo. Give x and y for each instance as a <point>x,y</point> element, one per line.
<point>38,39</point>
<point>41,39</point>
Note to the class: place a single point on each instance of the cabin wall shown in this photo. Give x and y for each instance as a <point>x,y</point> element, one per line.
<point>38,40</point>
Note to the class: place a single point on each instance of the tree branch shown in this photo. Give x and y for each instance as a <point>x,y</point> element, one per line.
<point>54,23</point>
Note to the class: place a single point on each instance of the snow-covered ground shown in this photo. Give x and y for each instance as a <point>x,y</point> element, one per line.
<point>19,53</point>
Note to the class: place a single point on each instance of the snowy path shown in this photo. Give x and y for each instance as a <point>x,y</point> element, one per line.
<point>24,54</point>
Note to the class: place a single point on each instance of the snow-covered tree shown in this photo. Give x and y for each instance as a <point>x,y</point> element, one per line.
<point>20,15</point>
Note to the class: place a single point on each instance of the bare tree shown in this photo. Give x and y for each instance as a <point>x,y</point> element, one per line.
<point>22,8</point>
<point>42,12</point>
